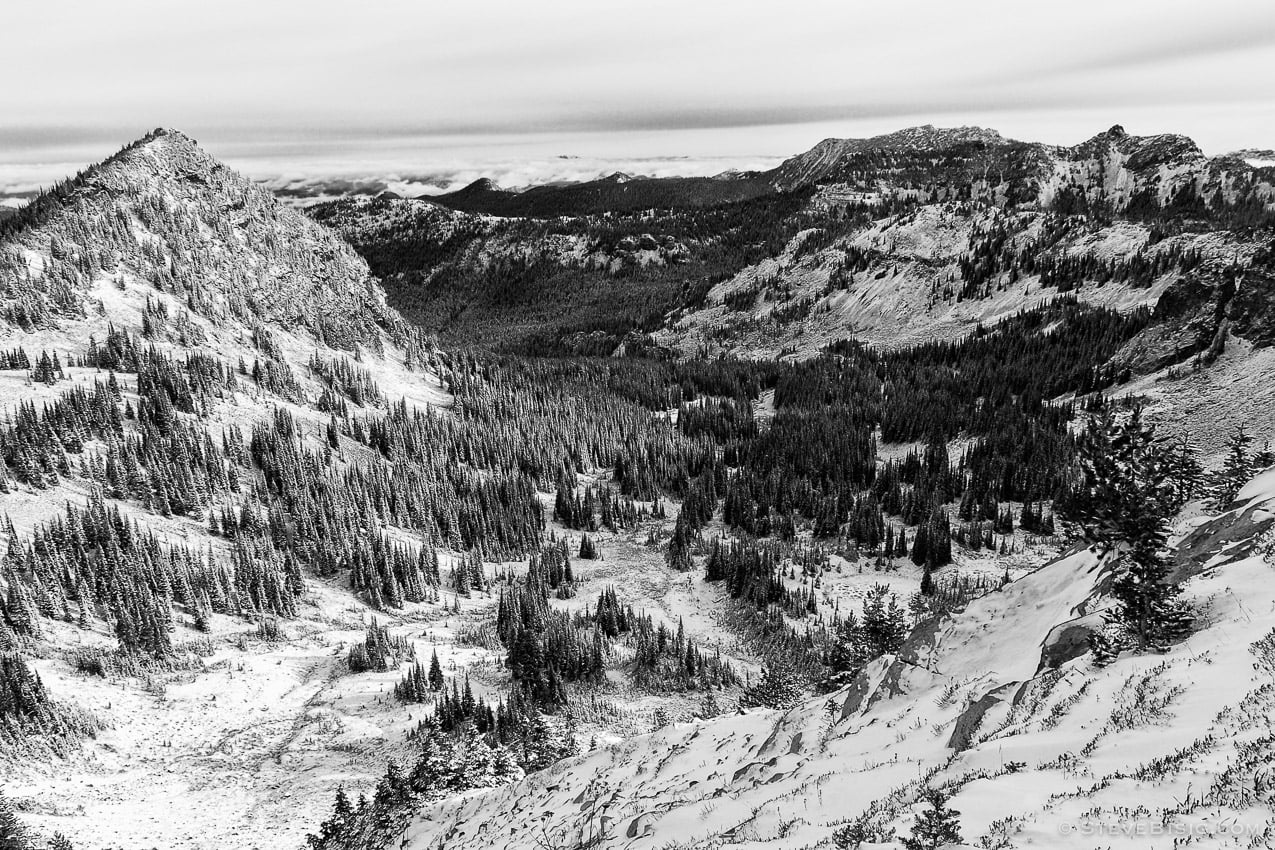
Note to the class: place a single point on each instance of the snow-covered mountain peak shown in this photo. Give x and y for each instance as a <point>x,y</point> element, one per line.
<point>160,154</point>
<point>165,215</point>
<point>929,136</point>
<point>160,280</point>
<point>823,160</point>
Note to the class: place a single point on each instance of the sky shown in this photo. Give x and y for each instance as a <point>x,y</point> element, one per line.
<point>435,94</point>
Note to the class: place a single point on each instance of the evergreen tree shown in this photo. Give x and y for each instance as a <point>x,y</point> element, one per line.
<point>436,680</point>
<point>927,581</point>
<point>13,834</point>
<point>1124,503</point>
<point>1184,469</point>
<point>775,689</point>
<point>1236,470</point>
<point>678,552</point>
<point>936,826</point>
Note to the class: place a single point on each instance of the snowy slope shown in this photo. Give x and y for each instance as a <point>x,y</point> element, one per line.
<point>243,743</point>
<point>908,292</point>
<point>1135,754</point>
<point>904,277</point>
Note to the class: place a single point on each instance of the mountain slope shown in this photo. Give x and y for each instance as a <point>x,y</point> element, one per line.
<point>1114,168</point>
<point>1037,745</point>
<point>940,269</point>
<point>917,234</point>
<point>195,321</point>
<point>165,214</point>
<point>232,541</point>
<point>833,158</point>
<point>927,234</point>
<point>577,285</point>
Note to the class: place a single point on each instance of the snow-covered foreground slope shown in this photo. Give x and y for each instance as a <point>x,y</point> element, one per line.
<point>241,747</point>
<point>1037,745</point>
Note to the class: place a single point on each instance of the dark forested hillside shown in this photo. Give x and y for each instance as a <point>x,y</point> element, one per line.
<point>614,194</point>
<point>564,286</point>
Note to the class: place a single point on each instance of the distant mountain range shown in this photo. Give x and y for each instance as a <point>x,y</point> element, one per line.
<point>934,161</point>
<point>892,240</point>
<point>967,156</point>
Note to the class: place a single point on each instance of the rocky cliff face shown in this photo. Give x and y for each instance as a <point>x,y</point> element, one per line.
<point>879,159</point>
<point>1114,169</point>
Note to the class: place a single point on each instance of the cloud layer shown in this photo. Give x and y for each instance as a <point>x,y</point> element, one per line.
<point>491,81</point>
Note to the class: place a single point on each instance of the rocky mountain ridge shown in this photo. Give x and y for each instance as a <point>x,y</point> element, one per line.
<point>124,219</point>
<point>891,238</point>
<point>927,162</point>
<point>972,163</point>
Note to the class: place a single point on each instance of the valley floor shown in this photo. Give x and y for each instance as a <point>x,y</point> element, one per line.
<point>245,744</point>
